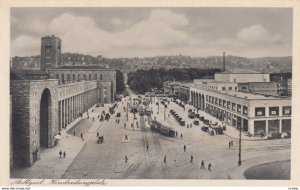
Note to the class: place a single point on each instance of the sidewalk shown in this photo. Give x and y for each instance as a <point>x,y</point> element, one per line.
<point>238,171</point>
<point>230,131</point>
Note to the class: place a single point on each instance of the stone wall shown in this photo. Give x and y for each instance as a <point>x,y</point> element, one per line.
<point>26,98</point>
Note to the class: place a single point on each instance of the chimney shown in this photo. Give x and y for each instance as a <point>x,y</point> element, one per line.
<point>223,61</point>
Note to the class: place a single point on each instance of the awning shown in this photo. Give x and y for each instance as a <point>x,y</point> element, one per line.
<point>57,137</point>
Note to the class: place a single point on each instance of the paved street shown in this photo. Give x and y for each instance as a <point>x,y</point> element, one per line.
<point>107,160</point>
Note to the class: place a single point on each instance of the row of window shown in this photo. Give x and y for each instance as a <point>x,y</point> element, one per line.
<point>85,77</point>
<point>273,111</point>
<point>227,104</point>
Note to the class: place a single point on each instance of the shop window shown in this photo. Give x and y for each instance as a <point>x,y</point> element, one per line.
<point>223,88</point>
<point>286,110</point>
<point>245,110</point>
<point>233,106</point>
<point>239,108</point>
<point>273,111</point>
<point>228,105</point>
<point>260,112</point>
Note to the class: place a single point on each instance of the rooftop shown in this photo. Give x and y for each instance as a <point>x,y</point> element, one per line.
<point>81,67</point>
<point>250,96</point>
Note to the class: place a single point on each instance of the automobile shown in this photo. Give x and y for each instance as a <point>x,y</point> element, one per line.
<point>206,121</point>
<point>182,123</point>
<point>201,118</point>
<point>273,135</point>
<point>190,110</point>
<point>197,115</point>
<point>179,119</point>
<point>286,135</point>
<point>205,128</point>
<point>196,122</point>
<point>107,116</point>
<point>172,111</point>
<point>219,130</point>
<point>118,114</point>
<point>191,115</point>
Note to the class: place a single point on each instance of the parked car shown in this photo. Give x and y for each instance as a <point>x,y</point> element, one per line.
<point>197,115</point>
<point>205,128</point>
<point>182,123</point>
<point>273,135</point>
<point>191,115</point>
<point>219,130</point>
<point>196,122</point>
<point>201,118</point>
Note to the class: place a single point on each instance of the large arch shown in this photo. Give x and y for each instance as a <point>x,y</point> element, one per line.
<point>45,118</point>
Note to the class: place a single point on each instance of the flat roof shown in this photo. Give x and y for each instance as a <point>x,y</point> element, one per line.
<point>248,96</point>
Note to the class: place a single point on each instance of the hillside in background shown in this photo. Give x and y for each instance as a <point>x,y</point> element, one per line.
<point>264,64</point>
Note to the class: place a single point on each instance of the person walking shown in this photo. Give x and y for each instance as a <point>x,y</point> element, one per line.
<point>97,134</point>
<point>126,137</point>
<point>126,158</point>
<point>60,153</point>
<point>176,133</point>
<point>229,145</point>
<point>184,148</point>
<point>124,125</point>
<point>165,159</point>
<point>64,154</point>
<point>192,158</point>
<point>209,167</point>
<point>147,147</point>
<point>202,165</point>
<point>81,135</point>
<point>181,135</point>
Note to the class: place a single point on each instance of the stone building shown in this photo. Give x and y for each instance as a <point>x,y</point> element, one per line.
<point>254,113</point>
<point>45,101</point>
<point>50,52</point>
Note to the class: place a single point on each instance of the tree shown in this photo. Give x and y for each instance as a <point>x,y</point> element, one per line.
<point>120,82</point>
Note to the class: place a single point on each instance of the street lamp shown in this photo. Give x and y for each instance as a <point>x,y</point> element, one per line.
<point>165,113</point>
<point>240,147</point>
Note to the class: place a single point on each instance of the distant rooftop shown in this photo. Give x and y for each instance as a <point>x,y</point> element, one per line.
<point>80,67</point>
<point>52,36</point>
<point>240,71</point>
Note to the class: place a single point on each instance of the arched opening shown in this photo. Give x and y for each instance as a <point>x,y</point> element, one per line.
<point>203,103</point>
<point>45,118</point>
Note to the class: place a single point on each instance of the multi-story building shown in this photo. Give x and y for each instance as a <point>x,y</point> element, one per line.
<point>50,52</point>
<point>45,101</point>
<point>254,113</point>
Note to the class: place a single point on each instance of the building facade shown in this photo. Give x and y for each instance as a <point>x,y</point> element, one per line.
<point>45,101</point>
<point>50,52</point>
<point>254,113</point>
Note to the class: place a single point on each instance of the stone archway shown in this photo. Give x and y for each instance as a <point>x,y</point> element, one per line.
<point>45,118</point>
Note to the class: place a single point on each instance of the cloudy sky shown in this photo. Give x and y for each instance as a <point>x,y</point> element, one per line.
<point>144,32</point>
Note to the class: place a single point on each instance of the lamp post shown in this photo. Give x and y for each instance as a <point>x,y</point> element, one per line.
<point>127,111</point>
<point>240,147</point>
<point>165,113</point>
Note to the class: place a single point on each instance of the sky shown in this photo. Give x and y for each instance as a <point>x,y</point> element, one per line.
<point>146,32</point>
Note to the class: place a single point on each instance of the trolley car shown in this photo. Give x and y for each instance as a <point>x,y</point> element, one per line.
<point>162,129</point>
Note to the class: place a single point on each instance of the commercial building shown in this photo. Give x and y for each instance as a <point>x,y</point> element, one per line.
<point>255,113</point>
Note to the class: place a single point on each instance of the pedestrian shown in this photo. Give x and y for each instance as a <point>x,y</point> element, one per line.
<point>181,135</point>
<point>64,154</point>
<point>147,147</point>
<point>176,133</point>
<point>124,125</point>
<point>184,148</point>
<point>165,159</point>
<point>97,134</point>
<point>126,158</point>
<point>74,133</point>
<point>60,153</point>
<point>126,138</point>
<point>202,165</point>
<point>229,144</point>
<point>81,135</point>
<point>192,158</point>
<point>209,167</point>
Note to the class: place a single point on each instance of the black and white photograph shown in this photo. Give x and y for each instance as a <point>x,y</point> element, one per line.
<point>202,93</point>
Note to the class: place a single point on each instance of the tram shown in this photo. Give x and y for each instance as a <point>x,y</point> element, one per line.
<point>162,129</point>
